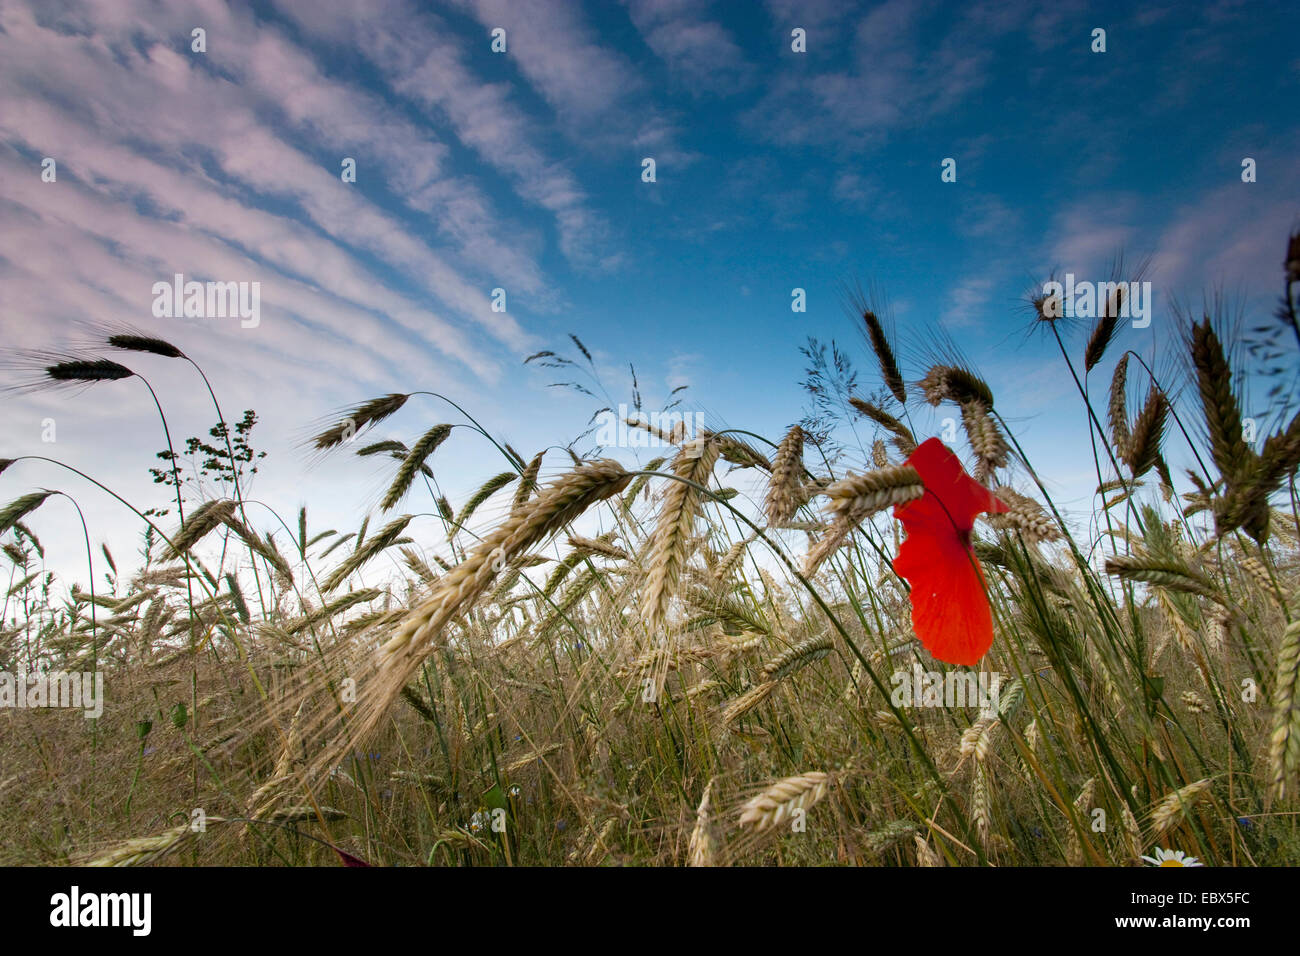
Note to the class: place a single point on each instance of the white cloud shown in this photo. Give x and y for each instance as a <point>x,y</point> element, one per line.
<point>700,54</point>
<point>425,66</point>
<point>966,300</point>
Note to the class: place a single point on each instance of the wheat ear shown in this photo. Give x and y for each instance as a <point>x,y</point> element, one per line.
<point>1284,745</point>
<point>555,506</point>
<point>1118,408</point>
<point>785,489</point>
<point>668,547</point>
<point>1173,808</point>
<point>701,851</point>
<point>782,799</point>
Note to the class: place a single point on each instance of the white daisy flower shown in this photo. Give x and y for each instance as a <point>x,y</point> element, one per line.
<point>1172,858</point>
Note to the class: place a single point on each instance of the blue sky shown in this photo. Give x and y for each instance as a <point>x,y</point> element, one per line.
<point>522,171</point>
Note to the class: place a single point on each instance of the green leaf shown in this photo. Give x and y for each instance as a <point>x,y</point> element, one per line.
<point>1153,687</point>
<point>494,799</point>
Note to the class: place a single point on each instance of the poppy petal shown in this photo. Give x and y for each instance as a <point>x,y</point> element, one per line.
<point>960,496</point>
<point>950,609</point>
<point>348,859</point>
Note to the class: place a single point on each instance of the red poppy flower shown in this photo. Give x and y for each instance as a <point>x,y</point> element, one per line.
<point>950,609</point>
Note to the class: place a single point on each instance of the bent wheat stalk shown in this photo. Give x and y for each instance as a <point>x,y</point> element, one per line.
<point>558,504</point>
